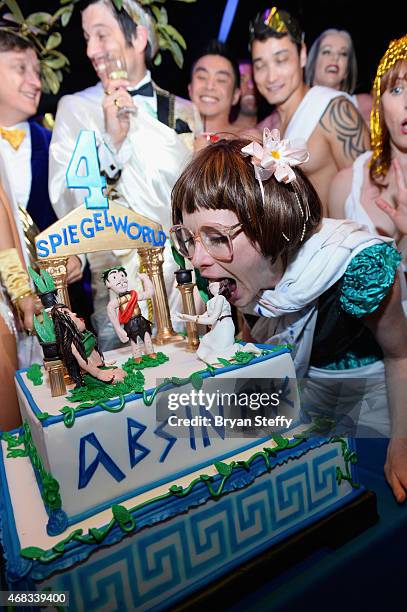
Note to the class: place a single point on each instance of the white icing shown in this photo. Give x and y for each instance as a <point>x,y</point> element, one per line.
<point>59,446</point>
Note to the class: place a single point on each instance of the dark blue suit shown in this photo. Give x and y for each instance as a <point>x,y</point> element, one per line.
<point>39,206</point>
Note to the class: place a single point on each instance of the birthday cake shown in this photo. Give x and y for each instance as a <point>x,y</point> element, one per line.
<point>108,501</point>
<point>150,478</point>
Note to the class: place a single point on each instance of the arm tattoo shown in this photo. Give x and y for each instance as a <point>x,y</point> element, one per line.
<point>342,119</point>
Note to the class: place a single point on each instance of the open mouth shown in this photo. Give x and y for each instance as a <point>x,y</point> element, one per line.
<point>100,67</point>
<point>404,127</point>
<point>227,287</point>
<point>332,69</point>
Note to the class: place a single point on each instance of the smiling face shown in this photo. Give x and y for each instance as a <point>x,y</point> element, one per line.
<point>249,271</point>
<point>103,35</point>
<point>394,105</point>
<point>277,68</point>
<point>331,66</point>
<point>20,85</point>
<point>212,87</point>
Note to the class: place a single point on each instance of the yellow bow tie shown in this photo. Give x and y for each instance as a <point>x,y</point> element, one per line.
<point>14,137</point>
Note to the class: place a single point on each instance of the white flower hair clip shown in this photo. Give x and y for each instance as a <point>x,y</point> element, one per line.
<point>277,158</point>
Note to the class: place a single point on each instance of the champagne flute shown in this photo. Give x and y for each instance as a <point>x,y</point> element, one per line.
<point>115,67</point>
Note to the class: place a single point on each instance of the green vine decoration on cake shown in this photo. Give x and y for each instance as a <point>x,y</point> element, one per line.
<point>350,458</point>
<point>96,393</point>
<point>49,485</point>
<point>13,442</point>
<point>124,518</point>
<point>34,373</point>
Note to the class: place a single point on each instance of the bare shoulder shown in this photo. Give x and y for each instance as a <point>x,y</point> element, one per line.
<point>340,113</point>
<point>339,190</point>
<point>344,128</point>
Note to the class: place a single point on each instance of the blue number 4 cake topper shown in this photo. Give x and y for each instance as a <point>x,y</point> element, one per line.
<point>85,160</point>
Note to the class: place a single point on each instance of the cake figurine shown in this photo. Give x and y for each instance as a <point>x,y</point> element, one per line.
<point>219,342</point>
<point>79,349</point>
<point>123,309</point>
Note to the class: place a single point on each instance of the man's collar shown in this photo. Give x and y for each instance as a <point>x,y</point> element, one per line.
<point>146,79</point>
<point>22,125</point>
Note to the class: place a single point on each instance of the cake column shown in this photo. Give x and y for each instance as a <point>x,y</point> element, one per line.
<point>152,260</point>
<point>186,287</point>
<point>55,369</point>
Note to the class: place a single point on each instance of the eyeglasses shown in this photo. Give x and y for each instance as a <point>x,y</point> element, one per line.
<point>216,240</point>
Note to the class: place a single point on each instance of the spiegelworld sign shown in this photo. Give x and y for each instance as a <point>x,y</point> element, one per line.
<point>96,225</point>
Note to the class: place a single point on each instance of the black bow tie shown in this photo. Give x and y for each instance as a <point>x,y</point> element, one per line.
<point>144,90</point>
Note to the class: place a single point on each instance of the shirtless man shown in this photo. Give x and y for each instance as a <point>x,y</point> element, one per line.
<point>325,118</point>
<point>214,89</point>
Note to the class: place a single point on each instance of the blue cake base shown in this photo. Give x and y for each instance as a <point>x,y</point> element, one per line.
<point>189,536</point>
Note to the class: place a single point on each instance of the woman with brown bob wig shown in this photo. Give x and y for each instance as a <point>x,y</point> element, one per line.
<point>373,191</point>
<point>246,215</point>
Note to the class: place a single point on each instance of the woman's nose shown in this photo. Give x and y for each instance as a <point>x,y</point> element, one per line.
<point>201,256</point>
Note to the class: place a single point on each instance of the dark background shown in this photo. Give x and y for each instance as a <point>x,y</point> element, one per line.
<point>371,25</point>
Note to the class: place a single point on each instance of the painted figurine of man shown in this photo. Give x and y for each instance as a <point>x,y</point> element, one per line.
<point>123,309</point>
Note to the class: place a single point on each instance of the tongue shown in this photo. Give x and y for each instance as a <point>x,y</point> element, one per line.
<point>227,286</point>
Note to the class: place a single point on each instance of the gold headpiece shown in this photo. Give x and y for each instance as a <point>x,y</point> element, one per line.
<point>278,21</point>
<point>275,22</point>
<point>36,29</point>
<point>396,51</point>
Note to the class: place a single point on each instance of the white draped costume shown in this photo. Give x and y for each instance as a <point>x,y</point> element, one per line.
<point>288,313</point>
<point>310,110</point>
<point>152,158</point>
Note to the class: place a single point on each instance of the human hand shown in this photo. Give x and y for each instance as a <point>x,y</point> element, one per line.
<point>117,123</point>
<point>29,306</point>
<point>123,337</point>
<point>398,214</point>
<point>395,468</point>
<point>73,269</point>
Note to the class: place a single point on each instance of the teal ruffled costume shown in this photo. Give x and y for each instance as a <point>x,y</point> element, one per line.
<point>367,281</point>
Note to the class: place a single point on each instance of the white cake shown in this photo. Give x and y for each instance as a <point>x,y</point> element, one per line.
<point>135,451</point>
<point>193,507</point>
